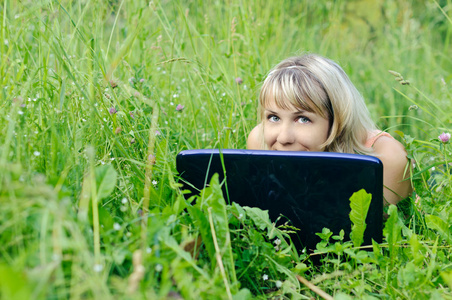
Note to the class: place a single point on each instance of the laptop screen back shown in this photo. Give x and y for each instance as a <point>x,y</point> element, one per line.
<point>311,190</point>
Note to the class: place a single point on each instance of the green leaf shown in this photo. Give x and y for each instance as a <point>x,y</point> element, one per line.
<point>392,229</point>
<point>243,294</point>
<point>260,217</point>
<point>13,284</point>
<point>325,234</point>
<point>238,212</point>
<point>202,224</point>
<point>211,201</point>
<point>392,233</point>
<point>377,252</point>
<point>359,204</point>
<point>171,243</point>
<point>280,268</point>
<point>417,250</point>
<point>105,219</point>
<point>105,180</point>
<point>436,223</point>
<point>447,277</point>
<point>262,220</point>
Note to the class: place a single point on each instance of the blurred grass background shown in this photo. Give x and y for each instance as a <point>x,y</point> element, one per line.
<point>82,80</point>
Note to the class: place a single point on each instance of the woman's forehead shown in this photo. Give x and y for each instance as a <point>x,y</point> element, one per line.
<point>274,102</point>
<point>286,101</point>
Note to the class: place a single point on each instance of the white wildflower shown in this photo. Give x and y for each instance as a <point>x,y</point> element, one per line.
<point>116,226</point>
<point>98,267</point>
<point>158,268</point>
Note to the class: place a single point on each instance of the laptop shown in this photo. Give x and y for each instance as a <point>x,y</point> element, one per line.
<point>310,190</point>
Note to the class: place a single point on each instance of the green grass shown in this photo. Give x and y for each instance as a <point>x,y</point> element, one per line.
<point>83,190</point>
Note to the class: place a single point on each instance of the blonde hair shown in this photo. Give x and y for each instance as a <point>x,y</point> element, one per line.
<point>317,84</point>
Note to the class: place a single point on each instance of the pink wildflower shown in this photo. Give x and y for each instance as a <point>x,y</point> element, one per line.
<point>113,84</point>
<point>179,107</point>
<point>444,137</point>
<point>112,110</point>
<point>239,80</point>
<point>151,159</point>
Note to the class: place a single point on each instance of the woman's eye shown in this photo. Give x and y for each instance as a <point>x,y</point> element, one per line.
<point>273,118</point>
<point>303,120</point>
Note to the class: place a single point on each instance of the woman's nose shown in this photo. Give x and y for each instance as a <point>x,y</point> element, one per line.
<point>286,135</point>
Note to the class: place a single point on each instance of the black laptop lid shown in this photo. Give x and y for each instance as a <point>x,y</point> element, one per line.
<point>311,189</point>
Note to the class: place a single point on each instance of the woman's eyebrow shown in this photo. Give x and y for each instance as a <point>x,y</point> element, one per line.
<point>300,111</point>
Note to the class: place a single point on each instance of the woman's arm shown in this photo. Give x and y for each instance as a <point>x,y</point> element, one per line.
<point>392,154</point>
<point>254,141</point>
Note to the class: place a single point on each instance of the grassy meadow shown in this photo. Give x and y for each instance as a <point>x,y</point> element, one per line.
<point>98,97</point>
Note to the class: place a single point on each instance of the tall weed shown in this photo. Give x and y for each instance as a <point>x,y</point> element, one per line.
<point>98,97</point>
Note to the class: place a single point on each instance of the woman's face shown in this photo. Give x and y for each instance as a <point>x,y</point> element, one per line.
<point>294,129</point>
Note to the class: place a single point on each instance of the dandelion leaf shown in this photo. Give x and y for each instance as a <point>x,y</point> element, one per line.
<point>211,203</point>
<point>359,204</point>
<point>392,232</point>
<point>260,217</point>
<point>200,221</point>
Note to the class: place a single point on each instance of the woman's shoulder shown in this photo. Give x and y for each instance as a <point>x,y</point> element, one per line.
<point>386,144</point>
<point>392,154</point>
<point>374,135</point>
<point>255,137</point>
<point>396,168</point>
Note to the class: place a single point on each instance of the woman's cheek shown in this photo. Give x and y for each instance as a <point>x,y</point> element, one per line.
<point>267,135</point>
